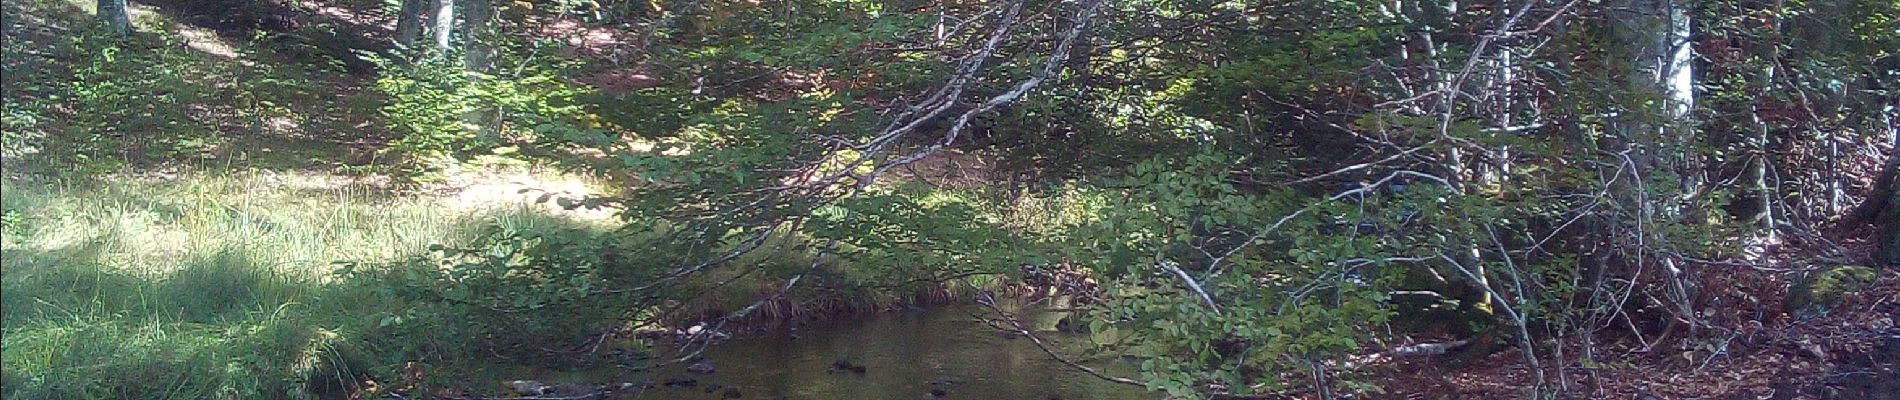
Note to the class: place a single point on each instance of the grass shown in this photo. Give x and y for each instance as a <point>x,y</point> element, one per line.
<point>216,285</point>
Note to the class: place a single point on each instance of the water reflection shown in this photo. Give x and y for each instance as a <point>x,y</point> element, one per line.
<point>941,352</point>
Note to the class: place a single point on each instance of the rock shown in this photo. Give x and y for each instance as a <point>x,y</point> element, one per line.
<point>529,388</point>
<point>732,393</point>
<point>938,393</point>
<point>944,383</point>
<point>681,382</point>
<point>1815,294</point>
<point>701,367</point>
<point>843,365</point>
<point>564,390</point>
<point>574,391</point>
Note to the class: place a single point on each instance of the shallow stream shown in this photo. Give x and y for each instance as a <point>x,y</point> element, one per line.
<point>939,352</point>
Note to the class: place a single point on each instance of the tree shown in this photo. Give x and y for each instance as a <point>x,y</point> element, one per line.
<point>1657,132</point>
<point>1890,231</point>
<point>444,23</point>
<point>478,56</point>
<point>1882,208</point>
<point>1654,38</point>
<point>409,22</point>
<point>114,14</point>
<point>478,19</point>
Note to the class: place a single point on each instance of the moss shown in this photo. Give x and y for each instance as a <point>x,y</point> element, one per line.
<point>1821,291</point>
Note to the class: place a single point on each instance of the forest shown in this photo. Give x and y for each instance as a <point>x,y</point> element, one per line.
<point>997,199</point>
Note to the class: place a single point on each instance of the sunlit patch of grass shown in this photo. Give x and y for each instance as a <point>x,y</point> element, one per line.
<point>214,285</point>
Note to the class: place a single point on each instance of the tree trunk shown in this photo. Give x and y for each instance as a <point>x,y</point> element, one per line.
<point>478,55</point>
<point>1655,37</point>
<point>114,14</point>
<point>409,22</point>
<point>1657,130</point>
<point>1883,204</point>
<point>444,23</point>
<point>1889,224</point>
<point>478,18</point>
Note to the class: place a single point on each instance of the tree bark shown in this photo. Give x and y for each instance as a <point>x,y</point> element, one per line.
<point>113,13</point>
<point>479,20</point>
<point>478,55</point>
<point>409,22</point>
<point>1889,253</point>
<point>444,23</point>
<point>1883,204</point>
<point>1880,198</point>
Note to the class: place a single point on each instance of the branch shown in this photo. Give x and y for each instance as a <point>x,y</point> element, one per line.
<point>1018,328</point>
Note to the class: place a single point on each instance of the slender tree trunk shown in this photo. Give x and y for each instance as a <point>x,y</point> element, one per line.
<point>1658,130</point>
<point>478,55</point>
<point>1758,168</point>
<point>409,22</point>
<point>1890,226</point>
<point>1882,207</point>
<point>444,23</point>
<point>1890,231</point>
<point>114,14</point>
<point>1655,37</point>
<point>479,20</point>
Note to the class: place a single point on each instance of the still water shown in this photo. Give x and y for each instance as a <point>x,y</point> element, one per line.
<point>941,352</point>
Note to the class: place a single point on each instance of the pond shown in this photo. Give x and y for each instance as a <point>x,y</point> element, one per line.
<point>938,352</point>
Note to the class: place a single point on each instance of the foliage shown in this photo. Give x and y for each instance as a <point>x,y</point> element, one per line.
<point>438,106</point>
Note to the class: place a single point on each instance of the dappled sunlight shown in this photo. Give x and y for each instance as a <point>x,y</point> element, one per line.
<point>208,42</point>
<point>540,190</point>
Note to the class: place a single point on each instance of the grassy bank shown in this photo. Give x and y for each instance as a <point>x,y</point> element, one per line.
<point>216,285</point>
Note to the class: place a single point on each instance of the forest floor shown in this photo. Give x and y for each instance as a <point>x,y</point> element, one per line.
<point>1769,331</point>
<point>1852,352</point>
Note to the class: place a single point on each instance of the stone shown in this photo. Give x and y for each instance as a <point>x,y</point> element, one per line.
<point>529,388</point>
<point>843,365</point>
<point>701,367</point>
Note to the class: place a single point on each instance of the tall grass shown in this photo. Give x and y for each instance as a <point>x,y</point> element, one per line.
<point>212,286</point>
